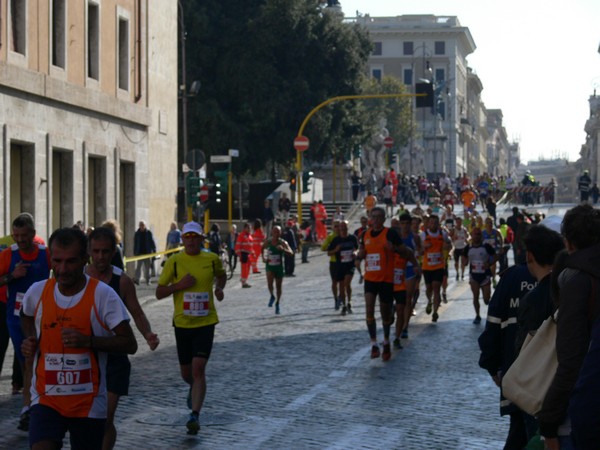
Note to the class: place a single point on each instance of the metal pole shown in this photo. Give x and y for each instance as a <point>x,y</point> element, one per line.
<point>229,197</point>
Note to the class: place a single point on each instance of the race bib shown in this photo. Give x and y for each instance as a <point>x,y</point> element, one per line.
<point>346,256</point>
<point>274,259</point>
<point>398,276</point>
<point>18,303</point>
<point>373,262</point>
<point>434,258</point>
<point>195,304</point>
<point>478,267</point>
<point>68,374</point>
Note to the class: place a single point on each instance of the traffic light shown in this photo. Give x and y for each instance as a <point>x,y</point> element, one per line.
<point>192,187</point>
<point>306,176</point>
<point>427,89</point>
<point>292,180</point>
<point>222,178</point>
<point>393,157</point>
<point>214,194</point>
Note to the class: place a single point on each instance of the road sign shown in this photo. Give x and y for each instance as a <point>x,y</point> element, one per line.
<point>220,159</point>
<point>195,159</point>
<point>388,142</point>
<point>301,143</point>
<point>204,194</point>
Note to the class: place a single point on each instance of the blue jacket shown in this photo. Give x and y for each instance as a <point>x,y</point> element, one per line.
<point>497,342</point>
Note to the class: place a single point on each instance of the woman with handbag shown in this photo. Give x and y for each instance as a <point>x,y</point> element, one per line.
<point>579,308</point>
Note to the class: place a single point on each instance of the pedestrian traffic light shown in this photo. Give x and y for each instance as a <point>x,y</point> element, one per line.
<point>192,187</point>
<point>222,178</point>
<point>292,180</point>
<point>427,100</point>
<point>393,157</point>
<point>306,176</point>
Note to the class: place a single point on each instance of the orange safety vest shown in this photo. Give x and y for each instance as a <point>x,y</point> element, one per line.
<point>433,257</point>
<point>244,243</point>
<point>379,260</point>
<point>67,379</point>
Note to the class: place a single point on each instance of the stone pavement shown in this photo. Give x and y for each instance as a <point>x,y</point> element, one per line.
<point>305,379</point>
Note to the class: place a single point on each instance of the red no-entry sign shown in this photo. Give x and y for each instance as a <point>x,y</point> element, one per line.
<point>301,143</point>
<point>204,194</point>
<point>388,142</point>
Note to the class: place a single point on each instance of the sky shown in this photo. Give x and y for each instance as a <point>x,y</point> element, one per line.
<point>538,62</point>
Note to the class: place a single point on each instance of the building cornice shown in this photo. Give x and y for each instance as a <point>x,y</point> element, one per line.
<point>52,89</point>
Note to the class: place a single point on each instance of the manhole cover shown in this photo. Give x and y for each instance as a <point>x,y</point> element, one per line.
<point>172,417</point>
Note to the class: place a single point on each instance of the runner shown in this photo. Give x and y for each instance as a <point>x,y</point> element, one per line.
<point>21,265</point>
<point>376,248</point>
<point>343,248</point>
<point>324,246</point>
<point>399,290</point>
<point>190,276</point>
<point>370,202</point>
<point>479,255</point>
<point>435,241</point>
<point>244,248</point>
<point>412,275</point>
<point>70,322</point>
<point>102,245</point>
<point>493,237</point>
<point>459,236</point>
<point>276,248</point>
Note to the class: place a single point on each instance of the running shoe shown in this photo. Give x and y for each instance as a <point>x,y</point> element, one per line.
<point>477,320</point>
<point>193,425</point>
<point>271,301</point>
<point>189,399</point>
<point>404,334</point>
<point>344,310</point>
<point>429,308</point>
<point>397,344</point>
<point>375,352</point>
<point>434,317</point>
<point>277,310</point>
<point>387,352</point>
<point>24,421</point>
<point>246,285</point>
<point>444,297</point>
<point>350,309</point>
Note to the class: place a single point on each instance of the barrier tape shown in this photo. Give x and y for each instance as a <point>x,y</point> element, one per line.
<point>533,189</point>
<point>128,259</point>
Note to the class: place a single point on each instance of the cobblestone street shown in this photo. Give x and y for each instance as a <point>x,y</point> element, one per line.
<point>304,379</point>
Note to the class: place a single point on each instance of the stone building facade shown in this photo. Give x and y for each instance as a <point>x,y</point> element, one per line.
<point>88,113</point>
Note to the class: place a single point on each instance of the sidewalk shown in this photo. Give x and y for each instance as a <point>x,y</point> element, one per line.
<point>304,379</point>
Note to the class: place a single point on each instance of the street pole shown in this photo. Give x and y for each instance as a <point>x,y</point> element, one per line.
<point>183,91</point>
<point>230,197</point>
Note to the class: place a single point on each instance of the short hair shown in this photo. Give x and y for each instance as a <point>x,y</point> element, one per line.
<point>103,233</point>
<point>405,217</point>
<point>24,220</point>
<point>581,226</point>
<point>66,237</point>
<point>543,243</point>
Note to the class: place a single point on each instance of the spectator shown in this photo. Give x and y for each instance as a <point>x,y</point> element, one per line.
<point>267,217</point>
<point>578,310</point>
<point>595,192</point>
<point>230,242</point>
<point>214,239</point>
<point>143,244</point>
<point>284,206</point>
<point>289,260</point>
<point>173,239</point>
<point>355,181</point>
<point>583,185</point>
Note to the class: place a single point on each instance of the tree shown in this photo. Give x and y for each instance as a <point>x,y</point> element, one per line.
<point>263,65</point>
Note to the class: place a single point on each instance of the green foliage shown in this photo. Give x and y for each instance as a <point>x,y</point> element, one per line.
<point>397,112</point>
<point>263,65</point>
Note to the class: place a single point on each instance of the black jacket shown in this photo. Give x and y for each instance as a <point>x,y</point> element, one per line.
<point>579,307</point>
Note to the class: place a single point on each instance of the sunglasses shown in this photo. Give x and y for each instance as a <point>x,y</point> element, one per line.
<point>190,235</point>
